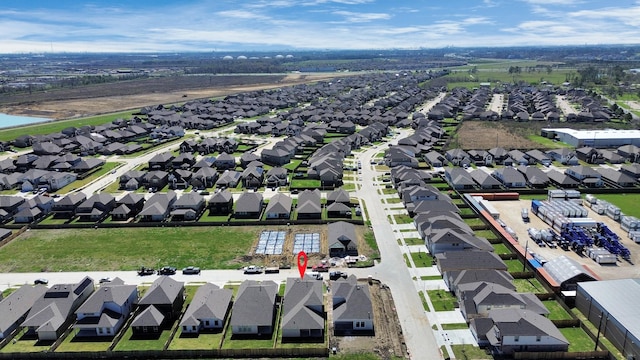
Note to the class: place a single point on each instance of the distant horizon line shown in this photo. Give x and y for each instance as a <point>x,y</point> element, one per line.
<point>299,50</point>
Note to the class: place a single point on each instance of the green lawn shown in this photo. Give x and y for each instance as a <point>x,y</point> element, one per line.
<point>557,312</point>
<point>23,345</point>
<point>628,203</point>
<point>393,200</point>
<point>403,219</point>
<point>413,241</point>
<point>548,143</point>
<point>431,277</point>
<point>456,326</point>
<point>370,240</point>
<point>56,126</point>
<point>442,300</point>
<point>425,304</point>
<point>127,248</point>
<point>501,249</point>
<point>128,343</point>
<point>514,265</point>
<point>469,352</point>
<point>528,285</point>
<point>578,339</point>
<point>421,259</point>
<point>406,260</point>
<point>305,183</point>
<point>474,222</point>
<point>204,340</point>
<point>72,344</point>
<point>487,234</point>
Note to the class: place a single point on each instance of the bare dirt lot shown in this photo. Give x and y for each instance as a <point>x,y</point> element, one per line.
<point>388,341</point>
<point>112,97</point>
<point>510,214</point>
<point>486,135</point>
<point>289,258</point>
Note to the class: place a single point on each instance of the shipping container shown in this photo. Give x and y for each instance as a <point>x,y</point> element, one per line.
<point>572,194</point>
<point>590,199</point>
<point>634,236</point>
<point>606,259</point>
<point>584,222</point>
<point>534,234</point>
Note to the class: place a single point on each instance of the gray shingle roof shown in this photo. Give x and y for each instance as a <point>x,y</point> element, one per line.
<point>254,303</point>
<point>209,302</point>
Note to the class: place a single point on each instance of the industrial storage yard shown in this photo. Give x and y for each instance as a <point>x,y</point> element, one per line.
<point>510,213</point>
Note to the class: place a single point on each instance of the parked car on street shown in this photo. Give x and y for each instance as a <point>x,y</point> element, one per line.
<point>167,270</point>
<point>191,270</point>
<point>144,271</point>
<point>40,281</point>
<point>105,280</point>
<point>252,269</point>
<point>335,275</point>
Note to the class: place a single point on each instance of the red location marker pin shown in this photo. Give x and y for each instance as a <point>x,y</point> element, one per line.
<point>302,263</point>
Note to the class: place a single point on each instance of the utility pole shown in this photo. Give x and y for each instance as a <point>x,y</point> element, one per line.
<point>599,326</point>
<point>526,248</point>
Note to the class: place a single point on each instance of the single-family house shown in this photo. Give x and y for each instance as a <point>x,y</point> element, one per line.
<point>158,207</point>
<point>506,331</point>
<point>187,207</point>
<point>303,313</point>
<point>225,161</point>
<point>484,179</point>
<point>339,195</point>
<point>106,310</point>
<point>562,180</point>
<point>564,156</point>
<point>586,175</point>
<point>352,307</point>
<point>536,178</point>
<point>254,309</point>
<point>279,207</point>
<point>96,207</point>
<point>161,303</point>
<point>338,209</point>
<point>459,178</point>
<point>510,177</point>
<point>456,278</point>
<point>15,307</point>
<point>228,179</point>
<point>476,299</point>
<point>221,203</point>
<point>53,311</point>
<point>309,205</point>
<point>66,206</point>
<point>469,260</point>
<point>589,155</point>
<point>161,161</point>
<point>248,205</point>
<point>276,176</point>
<point>207,311</point>
<point>342,239</point>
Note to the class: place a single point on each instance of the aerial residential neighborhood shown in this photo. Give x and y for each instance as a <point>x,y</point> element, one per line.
<point>443,210</point>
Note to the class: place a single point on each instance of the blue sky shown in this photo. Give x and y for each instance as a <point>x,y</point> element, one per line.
<point>226,25</point>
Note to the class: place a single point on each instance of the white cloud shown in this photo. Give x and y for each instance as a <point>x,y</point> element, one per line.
<point>356,17</point>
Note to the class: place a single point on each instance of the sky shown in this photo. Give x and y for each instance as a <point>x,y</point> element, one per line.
<point>254,25</point>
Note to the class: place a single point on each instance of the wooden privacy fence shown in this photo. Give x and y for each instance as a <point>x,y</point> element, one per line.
<point>177,354</point>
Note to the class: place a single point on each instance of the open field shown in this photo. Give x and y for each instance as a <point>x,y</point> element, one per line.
<point>226,247</point>
<point>495,71</point>
<point>105,98</point>
<point>127,248</point>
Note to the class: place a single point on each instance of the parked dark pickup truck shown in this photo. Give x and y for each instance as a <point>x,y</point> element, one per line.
<point>146,271</point>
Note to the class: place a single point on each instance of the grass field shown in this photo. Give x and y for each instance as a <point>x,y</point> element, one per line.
<point>413,241</point>
<point>127,248</point>
<point>628,203</point>
<point>528,285</point>
<point>514,265</point>
<point>56,126</point>
<point>469,352</point>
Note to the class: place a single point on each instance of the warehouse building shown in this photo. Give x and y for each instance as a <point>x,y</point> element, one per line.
<point>612,306</point>
<point>604,138</point>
